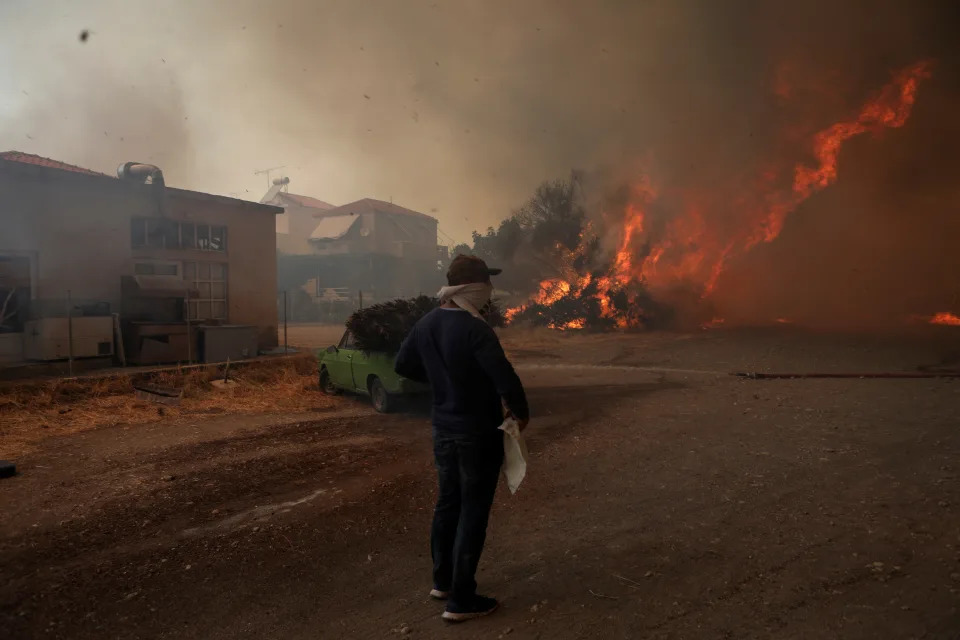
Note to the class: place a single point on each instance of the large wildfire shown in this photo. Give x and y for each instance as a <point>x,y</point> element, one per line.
<point>655,267</point>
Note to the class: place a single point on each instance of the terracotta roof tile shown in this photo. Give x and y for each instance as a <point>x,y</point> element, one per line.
<point>369,205</point>
<point>40,161</point>
<point>306,201</point>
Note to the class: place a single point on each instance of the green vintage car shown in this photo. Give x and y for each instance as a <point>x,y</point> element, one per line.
<point>346,368</point>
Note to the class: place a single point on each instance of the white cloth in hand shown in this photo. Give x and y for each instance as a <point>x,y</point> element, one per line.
<point>514,454</point>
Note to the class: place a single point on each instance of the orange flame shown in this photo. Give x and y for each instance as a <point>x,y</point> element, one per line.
<point>890,108</point>
<point>946,318</point>
<point>579,323</point>
<point>551,291</point>
<point>688,252</point>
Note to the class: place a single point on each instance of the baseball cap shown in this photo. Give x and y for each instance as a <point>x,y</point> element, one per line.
<point>468,269</point>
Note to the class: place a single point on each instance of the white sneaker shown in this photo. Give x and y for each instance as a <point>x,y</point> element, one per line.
<point>436,594</point>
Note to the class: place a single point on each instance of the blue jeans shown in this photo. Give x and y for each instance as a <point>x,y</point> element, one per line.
<point>468,467</point>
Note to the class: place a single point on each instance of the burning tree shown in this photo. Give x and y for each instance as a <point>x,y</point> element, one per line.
<point>591,305</point>
<point>536,240</point>
<point>660,263</point>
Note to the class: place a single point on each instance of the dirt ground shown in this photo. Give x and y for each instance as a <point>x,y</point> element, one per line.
<point>665,499</point>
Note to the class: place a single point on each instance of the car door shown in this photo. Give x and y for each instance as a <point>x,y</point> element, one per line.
<point>354,358</point>
<point>340,364</point>
<point>364,366</point>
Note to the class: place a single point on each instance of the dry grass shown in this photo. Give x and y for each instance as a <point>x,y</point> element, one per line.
<point>33,411</point>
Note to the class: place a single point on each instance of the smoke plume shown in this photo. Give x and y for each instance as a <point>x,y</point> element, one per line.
<point>459,109</point>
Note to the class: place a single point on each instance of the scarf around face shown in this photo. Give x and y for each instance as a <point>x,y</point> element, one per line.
<point>469,297</point>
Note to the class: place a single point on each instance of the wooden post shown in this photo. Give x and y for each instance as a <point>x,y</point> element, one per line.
<point>70,333</point>
<point>119,332</point>
<point>361,299</point>
<point>286,349</point>
<point>189,336</point>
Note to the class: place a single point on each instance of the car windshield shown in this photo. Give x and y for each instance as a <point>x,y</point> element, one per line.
<point>346,342</point>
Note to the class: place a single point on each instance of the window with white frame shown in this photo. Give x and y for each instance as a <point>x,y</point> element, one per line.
<point>163,233</point>
<point>210,281</point>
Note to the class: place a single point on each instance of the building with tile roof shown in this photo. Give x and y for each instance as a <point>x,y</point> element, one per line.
<point>379,248</point>
<point>158,256</point>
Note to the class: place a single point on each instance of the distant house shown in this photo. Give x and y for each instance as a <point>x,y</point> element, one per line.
<point>157,256</point>
<point>297,221</point>
<point>375,227</point>
<point>378,247</point>
<point>369,247</point>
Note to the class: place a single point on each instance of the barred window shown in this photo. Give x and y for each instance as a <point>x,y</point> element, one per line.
<point>210,280</point>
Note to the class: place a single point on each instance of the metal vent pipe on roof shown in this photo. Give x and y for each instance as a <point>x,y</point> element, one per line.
<point>140,172</point>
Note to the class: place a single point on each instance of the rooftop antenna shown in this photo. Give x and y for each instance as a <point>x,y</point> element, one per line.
<point>260,172</point>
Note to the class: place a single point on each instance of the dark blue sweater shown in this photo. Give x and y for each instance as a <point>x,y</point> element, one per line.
<point>461,357</point>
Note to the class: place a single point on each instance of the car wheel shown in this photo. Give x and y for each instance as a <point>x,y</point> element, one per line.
<point>326,383</point>
<point>379,396</point>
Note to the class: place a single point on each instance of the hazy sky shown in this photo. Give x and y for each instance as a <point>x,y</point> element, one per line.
<point>429,103</point>
<point>457,108</point>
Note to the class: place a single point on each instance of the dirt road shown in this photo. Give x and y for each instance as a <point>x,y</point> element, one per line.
<point>665,500</point>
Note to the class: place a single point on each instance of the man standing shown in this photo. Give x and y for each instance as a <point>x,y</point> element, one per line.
<point>473,384</point>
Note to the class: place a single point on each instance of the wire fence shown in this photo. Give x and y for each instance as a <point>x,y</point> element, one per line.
<point>333,307</point>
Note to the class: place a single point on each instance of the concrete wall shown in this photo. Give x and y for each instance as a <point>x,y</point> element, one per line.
<point>11,347</point>
<point>251,259</point>
<point>360,239</point>
<point>294,227</point>
<point>77,229</point>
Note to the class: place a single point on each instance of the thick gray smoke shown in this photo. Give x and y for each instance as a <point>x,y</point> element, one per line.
<point>460,109</point>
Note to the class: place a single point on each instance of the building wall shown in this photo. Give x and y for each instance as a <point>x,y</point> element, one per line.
<point>250,258</point>
<point>294,227</point>
<point>77,229</point>
<point>405,236</point>
<point>385,234</point>
<point>384,254</point>
<point>360,239</point>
